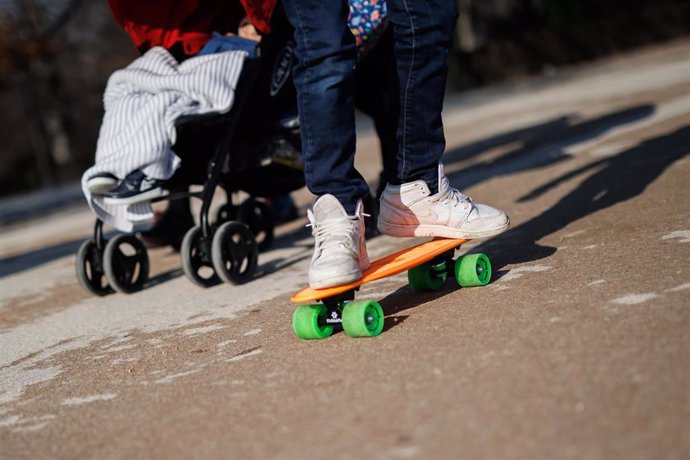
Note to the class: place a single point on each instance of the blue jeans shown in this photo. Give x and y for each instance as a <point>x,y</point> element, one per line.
<point>324,76</point>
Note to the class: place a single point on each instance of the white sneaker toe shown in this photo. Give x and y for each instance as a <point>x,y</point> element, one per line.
<point>410,210</point>
<point>485,221</point>
<point>340,253</point>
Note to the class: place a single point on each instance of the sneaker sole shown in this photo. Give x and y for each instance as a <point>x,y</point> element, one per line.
<point>407,231</point>
<point>333,281</point>
<point>138,198</point>
<point>100,185</point>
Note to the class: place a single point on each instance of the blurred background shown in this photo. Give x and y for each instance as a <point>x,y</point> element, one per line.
<point>56,56</point>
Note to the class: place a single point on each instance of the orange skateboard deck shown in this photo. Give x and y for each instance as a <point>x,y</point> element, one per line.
<point>384,267</point>
<point>428,265</point>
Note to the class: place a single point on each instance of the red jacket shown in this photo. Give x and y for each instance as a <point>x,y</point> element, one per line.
<point>188,22</point>
<point>259,13</point>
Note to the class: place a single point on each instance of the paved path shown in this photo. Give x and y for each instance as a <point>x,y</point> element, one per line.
<point>578,349</point>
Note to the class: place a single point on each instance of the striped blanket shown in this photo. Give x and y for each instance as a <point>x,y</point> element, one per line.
<point>142,103</point>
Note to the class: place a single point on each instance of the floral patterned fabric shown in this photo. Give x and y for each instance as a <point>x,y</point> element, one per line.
<point>367,22</point>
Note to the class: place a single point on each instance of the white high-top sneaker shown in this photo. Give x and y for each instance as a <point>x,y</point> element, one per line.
<point>340,252</point>
<point>410,210</point>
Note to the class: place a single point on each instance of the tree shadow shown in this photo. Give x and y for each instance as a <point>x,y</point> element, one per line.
<point>279,264</point>
<point>539,146</point>
<point>292,240</point>
<point>25,261</point>
<point>614,180</point>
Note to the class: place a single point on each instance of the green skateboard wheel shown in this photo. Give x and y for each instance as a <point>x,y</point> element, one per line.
<point>305,322</point>
<point>473,270</point>
<point>427,277</point>
<point>362,318</point>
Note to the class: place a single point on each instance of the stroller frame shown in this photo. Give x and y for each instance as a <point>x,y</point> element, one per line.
<point>228,251</point>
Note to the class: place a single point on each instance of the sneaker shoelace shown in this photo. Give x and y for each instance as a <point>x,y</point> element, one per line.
<point>333,232</point>
<point>452,196</point>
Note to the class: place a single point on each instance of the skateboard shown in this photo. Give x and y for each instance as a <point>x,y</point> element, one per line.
<point>427,265</point>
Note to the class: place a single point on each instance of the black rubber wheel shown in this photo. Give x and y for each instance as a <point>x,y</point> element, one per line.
<point>234,252</point>
<point>259,218</point>
<point>90,272</point>
<point>196,262</point>
<point>126,263</point>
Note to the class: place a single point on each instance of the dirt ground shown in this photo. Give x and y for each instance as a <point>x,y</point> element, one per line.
<point>578,349</point>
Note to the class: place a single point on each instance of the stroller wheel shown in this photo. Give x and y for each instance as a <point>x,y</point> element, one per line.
<point>126,263</point>
<point>234,252</point>
<point>259,218</point>
<point>197,263</point>
<point>90,269</point>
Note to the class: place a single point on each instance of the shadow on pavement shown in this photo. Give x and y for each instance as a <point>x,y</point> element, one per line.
<point>164,278</point>
<point>288,240</point>
<point>405,298</point>
<point>539,146</point>
<point>31,259</point>
<point>612,180</point>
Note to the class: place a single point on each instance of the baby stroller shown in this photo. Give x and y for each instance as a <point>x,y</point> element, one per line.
<point>239,151</point>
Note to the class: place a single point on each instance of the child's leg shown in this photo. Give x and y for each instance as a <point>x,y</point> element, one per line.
<point>423,36</point>
<point>324,80</point>
<point>326,55</point>
<point>377,95</point>
<point>421,201</point>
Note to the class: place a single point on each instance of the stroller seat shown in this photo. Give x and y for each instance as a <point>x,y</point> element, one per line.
<point>215,150</point>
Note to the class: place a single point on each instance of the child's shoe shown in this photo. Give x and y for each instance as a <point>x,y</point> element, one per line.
<point>135,188</point>
<point>101,183</point>
<point>340,253</point>
<point>410,210</point>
